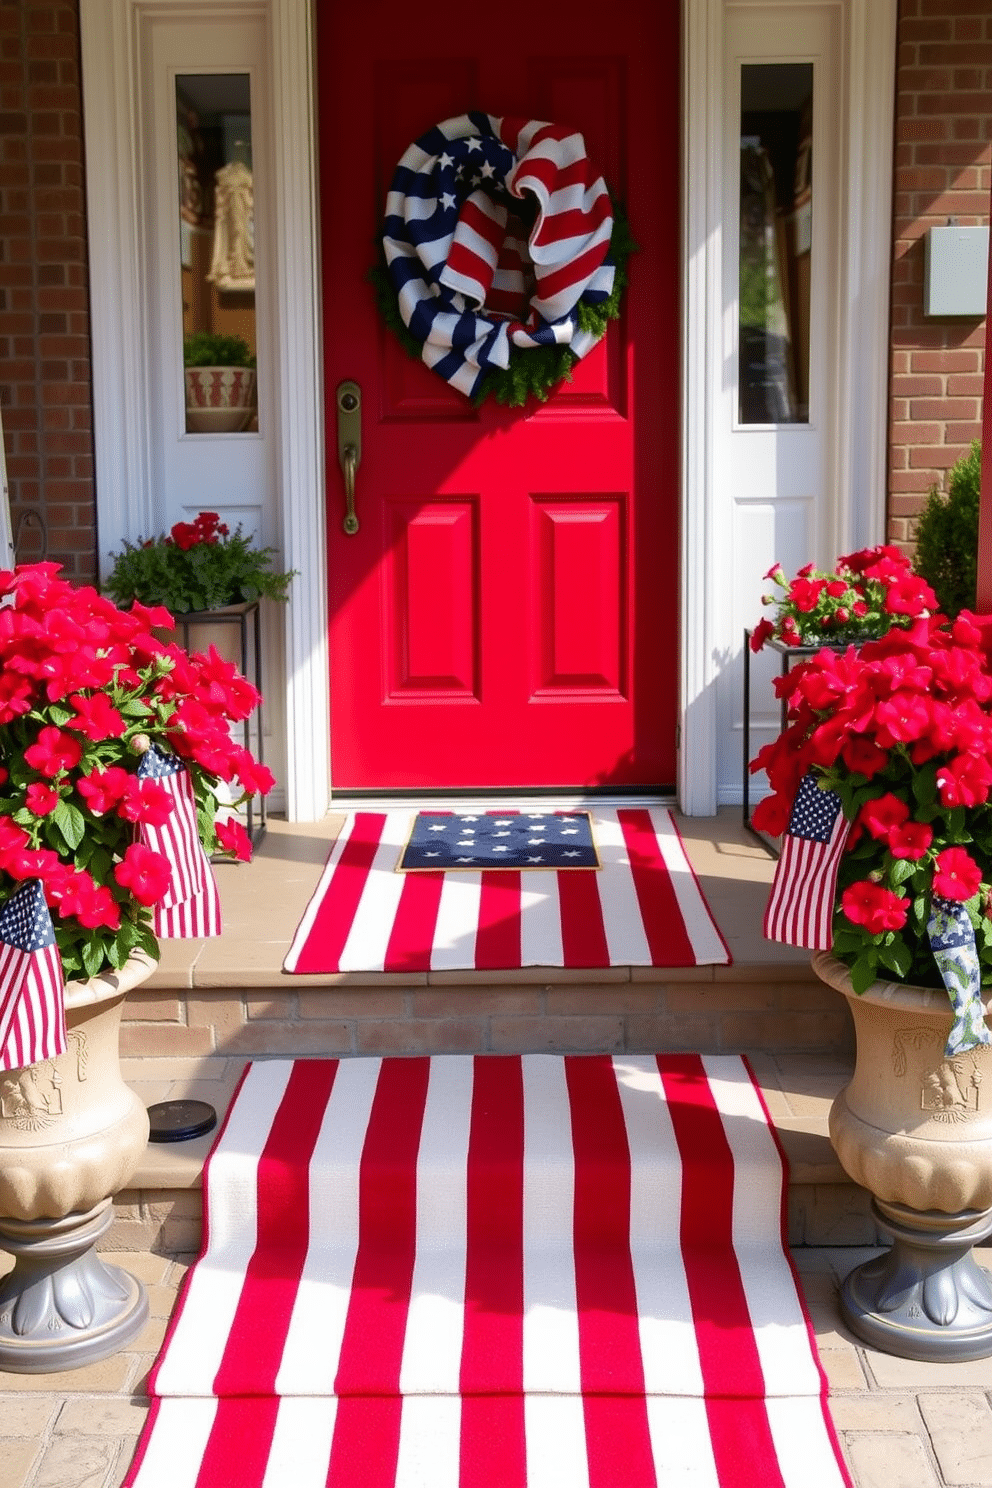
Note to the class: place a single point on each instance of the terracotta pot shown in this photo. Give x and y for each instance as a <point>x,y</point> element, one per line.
<point>915,1129</point>
<point>219,400</point>
<point>71,1136</point>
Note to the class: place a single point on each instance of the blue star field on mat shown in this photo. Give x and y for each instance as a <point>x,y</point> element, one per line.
<point>530,839</point>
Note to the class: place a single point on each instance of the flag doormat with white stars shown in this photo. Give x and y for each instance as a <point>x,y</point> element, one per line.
<point>460,891</point>
<point>528,840</point>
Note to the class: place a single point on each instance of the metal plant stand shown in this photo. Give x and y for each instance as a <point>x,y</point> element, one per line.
<point>245,617</point>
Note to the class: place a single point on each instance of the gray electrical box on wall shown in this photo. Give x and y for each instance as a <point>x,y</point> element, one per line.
<point>956,278</point>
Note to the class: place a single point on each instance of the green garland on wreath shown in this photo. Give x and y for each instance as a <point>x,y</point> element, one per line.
<point>536,371</point>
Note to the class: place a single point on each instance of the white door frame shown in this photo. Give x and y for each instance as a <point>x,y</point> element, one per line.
<point>857,516</point>
<point>118,285</point>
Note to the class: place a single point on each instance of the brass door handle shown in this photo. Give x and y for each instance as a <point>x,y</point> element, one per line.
<point>349,401</point>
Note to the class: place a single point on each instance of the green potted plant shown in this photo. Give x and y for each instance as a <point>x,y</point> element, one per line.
<point>220,383</point>
<point>196,566</point>
<point>947,535</point>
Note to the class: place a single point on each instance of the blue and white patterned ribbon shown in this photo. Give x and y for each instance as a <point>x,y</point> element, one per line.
<point>952,940</point>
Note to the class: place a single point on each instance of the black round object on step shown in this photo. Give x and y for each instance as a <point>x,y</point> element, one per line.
<point>178,1120</point>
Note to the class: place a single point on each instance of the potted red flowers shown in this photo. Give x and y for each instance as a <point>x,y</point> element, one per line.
<point>113,744</point>
<point>881,782</point>
<point>864,595</point>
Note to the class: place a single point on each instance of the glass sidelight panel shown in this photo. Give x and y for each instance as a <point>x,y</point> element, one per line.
<point>776,217</point>
<point>217,251</point>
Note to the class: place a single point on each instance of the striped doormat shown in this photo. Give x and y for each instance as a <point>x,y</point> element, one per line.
<point>492,1272</point>
<point>638,905</point>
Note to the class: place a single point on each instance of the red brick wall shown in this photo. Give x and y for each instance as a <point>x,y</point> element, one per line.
<point>45,380</point>
<point>942,169</point>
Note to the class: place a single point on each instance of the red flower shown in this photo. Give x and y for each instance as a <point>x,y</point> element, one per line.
<point>234,839</point>
<point>96,717</point>
<point>903,717</point>
<point>881,815</point>
<point>863,757</point>
<point>90,903</point>
<point>956,874</point>
<point>41,799</point>
<point>102,789</point>
<point>257,779</point>
<point>146,873</point>
<point>185,536</point>
<point>964,781</point>
<point>54,752</point>
<point>910,596</point>
<point>873,906</point>
<point>912,840</point>
<point>805,594</point>
<point>760,634</point>
<point>145,801</point>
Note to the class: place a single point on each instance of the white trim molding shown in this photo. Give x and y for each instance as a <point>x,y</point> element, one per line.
<point>300,415</point>
<point>702,251</point>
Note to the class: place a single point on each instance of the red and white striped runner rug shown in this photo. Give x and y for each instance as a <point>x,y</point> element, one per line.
<point>643,907</point>
<point>492,1272</point>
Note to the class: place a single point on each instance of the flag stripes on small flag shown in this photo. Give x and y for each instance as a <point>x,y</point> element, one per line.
<point>32,1010</point>
<point>498,1271</point>
<point>191,906</point>
<point>469,281</point>
<point>801,905</point>
<point>642,908</point>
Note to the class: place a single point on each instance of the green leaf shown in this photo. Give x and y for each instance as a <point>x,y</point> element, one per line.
<point>93,956</point>
<point>897,957</point>
<point>59,714</point>
<point>901,870</point>
<point>864,971</point>
<point>71,823</point>
<point>925,785</point>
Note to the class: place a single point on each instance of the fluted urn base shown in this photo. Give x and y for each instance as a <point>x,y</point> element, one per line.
<point>927,1297</point>
<point>62,1305</point>
<point>71,1136</point>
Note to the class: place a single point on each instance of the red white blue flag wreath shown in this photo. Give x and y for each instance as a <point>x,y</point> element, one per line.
<point>500,245</point>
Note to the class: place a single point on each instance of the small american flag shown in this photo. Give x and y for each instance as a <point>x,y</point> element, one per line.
<point>800,909</point>
<point>32,1013</point>
<point>191,906</point>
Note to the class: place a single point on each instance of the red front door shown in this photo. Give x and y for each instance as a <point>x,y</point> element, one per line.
<point>506,613</point>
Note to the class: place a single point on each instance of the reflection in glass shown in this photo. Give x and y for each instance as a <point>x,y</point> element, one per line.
<point>217,251</point>
<point>775,242</point>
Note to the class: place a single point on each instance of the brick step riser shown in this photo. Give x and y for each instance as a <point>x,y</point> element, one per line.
<point>771,1013</point>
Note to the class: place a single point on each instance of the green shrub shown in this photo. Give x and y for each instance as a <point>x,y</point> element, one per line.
<point>947,536</point>
<point>205,349</point>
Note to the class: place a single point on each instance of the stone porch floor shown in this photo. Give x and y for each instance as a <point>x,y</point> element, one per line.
<point>902,1425</point>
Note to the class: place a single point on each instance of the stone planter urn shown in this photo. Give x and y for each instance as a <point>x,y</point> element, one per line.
<point>71,1136</point>
<point>915,1129</point>
<point>219,400</point>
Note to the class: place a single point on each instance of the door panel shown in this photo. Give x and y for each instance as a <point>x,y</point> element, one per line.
<point>506,614</point>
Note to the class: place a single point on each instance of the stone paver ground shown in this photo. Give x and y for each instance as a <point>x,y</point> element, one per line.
<point>901,1425</point>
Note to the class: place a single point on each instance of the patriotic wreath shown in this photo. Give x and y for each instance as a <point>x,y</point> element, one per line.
<point>504,258</point>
